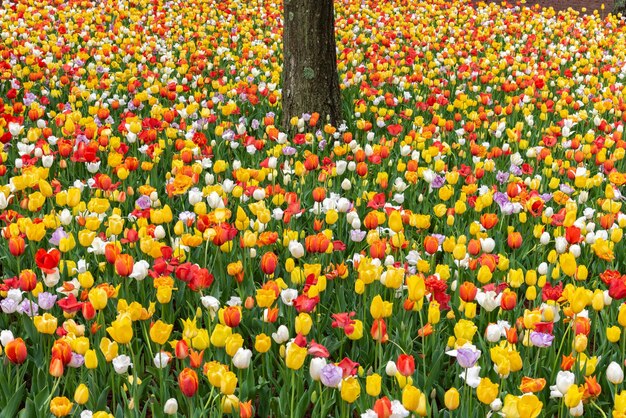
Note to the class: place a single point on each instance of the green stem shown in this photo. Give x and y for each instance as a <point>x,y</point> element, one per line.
<point>293,390</point>
<point>595,405</point>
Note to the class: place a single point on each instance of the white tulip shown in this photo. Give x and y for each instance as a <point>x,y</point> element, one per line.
<point>121,364</point>
<point>171,406</point>
<point>391,369</point>
<point>6,336</point>
<point>564,380</point>
<point>140,270</point>
<point>281,335</point>
<point>316,366</point>
<point>615,373</point>
<point>578,410</point>
<point>296,249</point>
<point>242,357</point>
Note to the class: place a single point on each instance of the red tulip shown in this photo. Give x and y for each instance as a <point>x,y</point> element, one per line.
<point>406,364</point>
<point>182,350</point>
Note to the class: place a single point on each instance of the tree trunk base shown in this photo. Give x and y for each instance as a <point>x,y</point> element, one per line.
<point>310,82</point>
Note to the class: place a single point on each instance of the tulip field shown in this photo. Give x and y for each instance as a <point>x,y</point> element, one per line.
<point>170,248</point>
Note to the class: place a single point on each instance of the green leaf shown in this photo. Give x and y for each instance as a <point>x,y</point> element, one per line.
<point>29,411</point>
<point>14,403</point>
<point>102,399</point>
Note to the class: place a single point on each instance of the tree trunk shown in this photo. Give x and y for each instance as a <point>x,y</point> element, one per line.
<point>310,82</point>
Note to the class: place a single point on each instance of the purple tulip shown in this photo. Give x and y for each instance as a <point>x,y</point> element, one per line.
<point>331,375</point>
<point>541,339</point>
<point>46,300</point>
<point>467,357</point>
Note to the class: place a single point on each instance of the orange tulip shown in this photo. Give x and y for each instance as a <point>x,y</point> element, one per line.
<point>195,358</point>
<point>514,240</point>
<point>382,407</point>
<point>245,409</point>
<point>508,301</point>
<point>111,251</point>
<point>316,243</point>
<point>232,316</point>
<point>27,280</point>
<point>532,385</point>
<point>56,367</point>
<point>124,265</point>
<point>378,249</point>
<point>16,246</point>
<point>489,220</point>
<point>371,221</point>
<point>431,244</point>
<point>16,351</point>
<point>62,350</point>
<point>592,387</point>
<point>581,325</point>
<point>319,194</point>
<point>188,382</point>
<point>182,350</point>
<point>269,261</point>
<point>473,247</point>
<point>468,291</point>
<point>511,335</point>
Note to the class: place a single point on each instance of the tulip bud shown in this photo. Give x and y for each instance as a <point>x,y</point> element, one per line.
<point>615,373</point>
<point>81,395</point>
<point>171,406</point>
<point>452,399</point>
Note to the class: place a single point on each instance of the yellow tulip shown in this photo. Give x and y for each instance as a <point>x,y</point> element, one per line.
<point>160,332</point>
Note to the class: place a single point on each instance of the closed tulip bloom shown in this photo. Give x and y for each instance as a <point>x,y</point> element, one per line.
<point>373,384</point>
<point>529,406</point>
<point>98,298</point>
<point>220,334</point>
<point>262,343</point>
<point>242,357</point>
<point>188,382</point>
<point>228,383</point>
<point>294,356</point>
<point>160,332</point>
<point>232,316</point>
<point>121,330</point>
<point>57,367</point>
<point>233,343</point>
<point>350,389</point>
<point>613,334</point>
<point>91,359</point>
<point>15,351</point>
<point>452,399</point>
<point>411,397</point>
<point>315,368</point>
<point>81,394</point>
<point>304,323</point>
<point>487,391</point>
<point>615,373</point>
<point>124,264</point>
<point>405,364</point>
<point>171,406</point>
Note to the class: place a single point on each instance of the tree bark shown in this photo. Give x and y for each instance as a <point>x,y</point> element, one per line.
<point>310,82</point>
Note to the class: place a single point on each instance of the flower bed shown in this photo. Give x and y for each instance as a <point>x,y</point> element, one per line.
<point>454,249</point>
